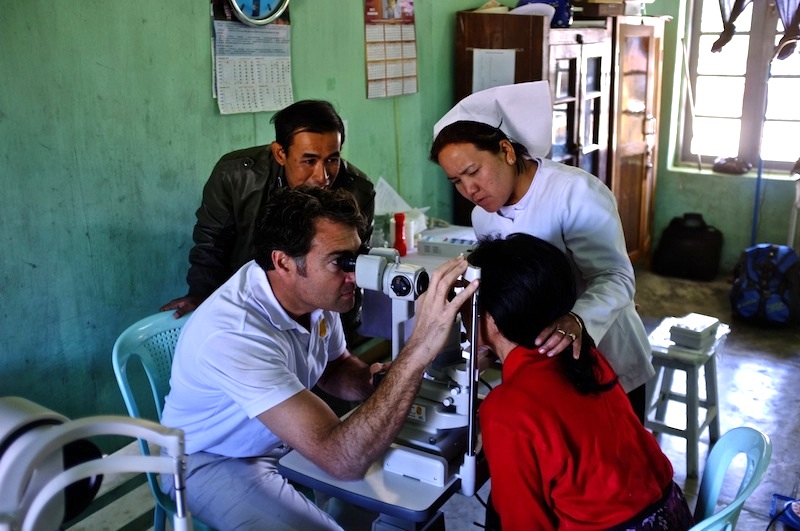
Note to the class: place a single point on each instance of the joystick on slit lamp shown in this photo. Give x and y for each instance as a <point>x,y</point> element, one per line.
<point>441,426</point>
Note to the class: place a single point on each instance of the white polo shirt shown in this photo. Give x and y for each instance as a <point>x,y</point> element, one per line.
<point>238,355</point>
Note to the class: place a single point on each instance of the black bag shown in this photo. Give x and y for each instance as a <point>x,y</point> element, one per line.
<point>689,248</point>
<point>766,285</point>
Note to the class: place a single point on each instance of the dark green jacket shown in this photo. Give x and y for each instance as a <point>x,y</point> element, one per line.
<point>232,198</point>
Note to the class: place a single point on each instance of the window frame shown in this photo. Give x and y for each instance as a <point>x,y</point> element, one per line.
<point>765,21</point>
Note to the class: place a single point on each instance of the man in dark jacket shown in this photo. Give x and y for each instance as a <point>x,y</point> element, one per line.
<point>309,135</point>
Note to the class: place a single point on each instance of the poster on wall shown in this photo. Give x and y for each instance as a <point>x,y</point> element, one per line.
<point>252,65</point>
<point>391,48</point>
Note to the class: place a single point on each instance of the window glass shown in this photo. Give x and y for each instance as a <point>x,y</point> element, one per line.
<point>735,111</point>
<point>590,113</point>
<point>593,74</point>
<point>780,142</point>
<point>561,132</point>
<point>783,99</point>
<point>589,163</point>
<point>716,137</point>
<point>719,96</point>
<point>711,21</point>
<point>565,71</point>
<point>730,61</point>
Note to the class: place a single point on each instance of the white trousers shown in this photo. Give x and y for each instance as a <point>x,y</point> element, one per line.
<point>246,494</point>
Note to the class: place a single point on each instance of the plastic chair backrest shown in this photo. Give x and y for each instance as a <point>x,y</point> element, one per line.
<point>150,342</point>
<point>31,511</point>
<point>757,447</point>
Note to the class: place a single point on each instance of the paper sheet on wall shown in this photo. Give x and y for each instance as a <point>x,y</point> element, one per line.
<point>387,200</point>
<point>253,67</point>
<point>492,68</point>
<point>391,48</point>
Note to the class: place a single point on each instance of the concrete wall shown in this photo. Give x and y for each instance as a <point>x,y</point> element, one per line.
<point>108,132</point>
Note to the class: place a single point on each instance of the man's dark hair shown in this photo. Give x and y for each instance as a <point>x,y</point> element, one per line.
<point>483,136</point>
<point>288,221</point>
<point>526,284</point>
<point>306,116</point>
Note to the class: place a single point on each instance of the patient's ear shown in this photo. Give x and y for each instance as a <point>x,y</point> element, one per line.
<point>493,338</point>
<point>489,328</point>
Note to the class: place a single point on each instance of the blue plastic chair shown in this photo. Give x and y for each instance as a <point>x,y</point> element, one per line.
<point>757,446</point>
<point>151,341</point>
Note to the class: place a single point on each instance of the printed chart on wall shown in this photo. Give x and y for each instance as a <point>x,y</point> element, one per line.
<point>391,48</point>
<point>252,65</point>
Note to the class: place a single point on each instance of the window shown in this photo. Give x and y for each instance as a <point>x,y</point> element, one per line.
<point>741,91</point>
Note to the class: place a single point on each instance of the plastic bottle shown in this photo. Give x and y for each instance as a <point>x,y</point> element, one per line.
<point>400,233</point>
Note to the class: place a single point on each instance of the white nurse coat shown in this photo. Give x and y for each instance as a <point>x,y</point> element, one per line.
<point>577,213</point>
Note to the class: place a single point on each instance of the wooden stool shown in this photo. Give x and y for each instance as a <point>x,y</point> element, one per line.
<point>667,358</point>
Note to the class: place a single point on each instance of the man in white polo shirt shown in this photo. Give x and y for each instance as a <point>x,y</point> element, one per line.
<point>248,357</point>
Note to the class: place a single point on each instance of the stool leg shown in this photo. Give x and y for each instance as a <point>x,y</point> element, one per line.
<point>663,394</point>
<point>712,400</point>
<point>692,424</point>
<point>651,388</point>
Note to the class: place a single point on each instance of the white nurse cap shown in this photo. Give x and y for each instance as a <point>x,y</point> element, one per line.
<point>523,111</point>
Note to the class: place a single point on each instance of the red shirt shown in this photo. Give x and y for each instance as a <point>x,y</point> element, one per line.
<point>562,460</point>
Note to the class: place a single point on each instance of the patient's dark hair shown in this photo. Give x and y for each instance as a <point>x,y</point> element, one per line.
<point>287,221</point>
<point>526,284</point>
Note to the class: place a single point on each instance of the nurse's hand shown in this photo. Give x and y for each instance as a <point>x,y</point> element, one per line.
<point>563,332</point>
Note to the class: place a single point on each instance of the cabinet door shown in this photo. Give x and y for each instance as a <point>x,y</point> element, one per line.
<point>565,73</point>
<point>638,76</point>
<point>580,73</point>
<point>526,35</point>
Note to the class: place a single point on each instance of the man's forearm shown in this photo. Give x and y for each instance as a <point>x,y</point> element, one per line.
<point>346,449</point>
<point>366,434</point>
<point>347,378</point>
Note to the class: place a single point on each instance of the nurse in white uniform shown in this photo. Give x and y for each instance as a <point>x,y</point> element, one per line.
<point>492,146</point>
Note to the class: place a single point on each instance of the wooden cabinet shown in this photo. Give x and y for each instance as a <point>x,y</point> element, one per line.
<point>637,86</point>
<point>527,36</point>
<point>605,77</point>
<point>580,82</point>
<point>576,61</point>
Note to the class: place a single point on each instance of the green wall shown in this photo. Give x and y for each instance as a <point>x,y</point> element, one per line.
<point>108,132</point>
<point>726,201</point>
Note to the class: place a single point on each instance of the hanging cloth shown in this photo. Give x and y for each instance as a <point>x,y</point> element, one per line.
<point>789,11</point>
<point>730,9</point>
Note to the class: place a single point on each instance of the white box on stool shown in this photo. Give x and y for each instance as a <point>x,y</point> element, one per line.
<point>695,331</point>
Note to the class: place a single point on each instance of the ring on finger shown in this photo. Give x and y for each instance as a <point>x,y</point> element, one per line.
<point>561,331</point>
<point>571,336</point>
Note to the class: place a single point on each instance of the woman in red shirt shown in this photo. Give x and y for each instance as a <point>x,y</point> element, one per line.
<point>564,447</point>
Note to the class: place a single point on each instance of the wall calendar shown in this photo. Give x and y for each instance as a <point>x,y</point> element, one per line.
<point>252,65</point>
<point>391,48</point>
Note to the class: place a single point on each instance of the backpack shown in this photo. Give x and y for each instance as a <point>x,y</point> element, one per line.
<point>766,285</point>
